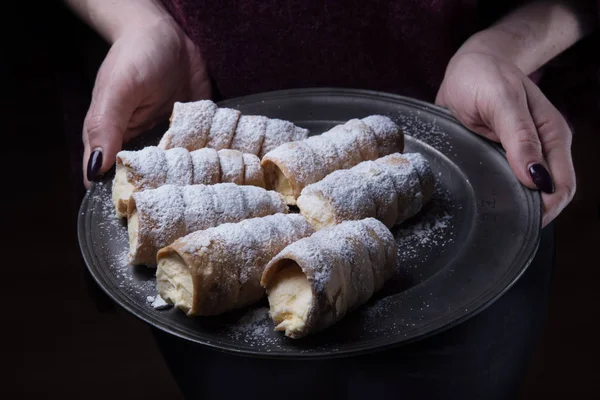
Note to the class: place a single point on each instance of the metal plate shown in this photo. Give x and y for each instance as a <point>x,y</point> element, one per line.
<point>463,251</point>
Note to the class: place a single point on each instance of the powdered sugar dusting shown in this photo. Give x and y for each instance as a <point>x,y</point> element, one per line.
<point>161,219</point>
<point>237,254</point>
<point>388,189</point>
<point>152,167</point>
<point>285,229</point>
<point>333,253</point>
<point>277,132</point>
<point>112,245</point>
<point>206,166</point>
<point>179,167</point>
<point>353,143</point>
<point>223,127</point>
<point>417,239</point>
<point>300,133</point>
<point>423,169</point>
<point>253,172</point>
<point>170,212</point>
<point>254,329</point>
<point>341,147</point>
<point>249,134</point>
<point>232,166</point>
<point>414,125</point>
<point>296,157</point>
<point>190,124</point>
<point>148,166</point>
<point>195,125</point>
<point>387,133</point>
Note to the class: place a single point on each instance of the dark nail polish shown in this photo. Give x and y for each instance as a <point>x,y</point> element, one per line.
<point>541,178</point>
<point>94,164</point>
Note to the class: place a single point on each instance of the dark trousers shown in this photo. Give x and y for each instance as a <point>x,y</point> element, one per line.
<point>482,358</point>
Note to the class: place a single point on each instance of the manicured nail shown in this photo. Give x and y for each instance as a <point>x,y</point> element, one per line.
<point>541,178</point>
<point>94,164</point>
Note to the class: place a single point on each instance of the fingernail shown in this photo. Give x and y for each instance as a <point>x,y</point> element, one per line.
<point>94,164</point>
<point>541,178</point>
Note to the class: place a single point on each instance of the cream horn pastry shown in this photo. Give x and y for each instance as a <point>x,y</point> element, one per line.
<point>157,217</point>
<point>292,166</point>
<point>392,189</point>
<point>279,131</point>
<point>216,270</point>
<point>153,167</point>
<point>199,124</point>
<point>316,281</point>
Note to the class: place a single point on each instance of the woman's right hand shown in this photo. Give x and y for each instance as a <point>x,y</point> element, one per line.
<point>146,70</point>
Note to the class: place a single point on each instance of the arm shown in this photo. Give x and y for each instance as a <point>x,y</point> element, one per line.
<point>535,33</point>
<point>111,18</point>
<point>487,88</point>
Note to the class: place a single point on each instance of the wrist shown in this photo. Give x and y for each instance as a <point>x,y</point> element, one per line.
<point>162,23</point>
<point>113,19</point>
<point>496,43</point>
<point>533,34</point>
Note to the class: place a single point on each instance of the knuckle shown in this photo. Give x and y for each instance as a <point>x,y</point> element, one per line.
<point>524,139</point>
<point>95,126</point>
<point>506,92</point>
<point>509,88</point>
<point>529,150</point>
<point>555,131</point>
<point>557,143</point>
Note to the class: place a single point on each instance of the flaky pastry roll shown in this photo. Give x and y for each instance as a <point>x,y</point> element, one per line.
<point>392,189</point>
<point>292,166</point>
<point>316,281</point>
<point>153,167</point>
<point>216,270</point>
<point>157,217</point>
<point>198,124</point>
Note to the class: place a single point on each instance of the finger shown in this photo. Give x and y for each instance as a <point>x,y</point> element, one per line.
<point>113,103</point>
<point>556,138</point>
<point>510,118</point>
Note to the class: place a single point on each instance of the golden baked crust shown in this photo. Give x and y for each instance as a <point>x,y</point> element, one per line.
<point>225,263</point>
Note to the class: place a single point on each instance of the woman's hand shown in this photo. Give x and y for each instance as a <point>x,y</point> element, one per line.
<point>147,69</point>
<point>497,100</point>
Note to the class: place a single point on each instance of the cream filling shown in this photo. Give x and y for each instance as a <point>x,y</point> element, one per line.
<point>277,181</point>
<point>133,231</point>
<point>121,191</point>
<point>174,281</point>
<point>317,210</point>
<point>290,299</point>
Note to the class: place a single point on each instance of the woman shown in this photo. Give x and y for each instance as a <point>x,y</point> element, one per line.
<point>182,50</point>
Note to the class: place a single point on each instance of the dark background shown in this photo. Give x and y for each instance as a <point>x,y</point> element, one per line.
<point>61,339</point>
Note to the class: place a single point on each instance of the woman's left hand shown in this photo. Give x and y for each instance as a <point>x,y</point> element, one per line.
<point>497,100</point>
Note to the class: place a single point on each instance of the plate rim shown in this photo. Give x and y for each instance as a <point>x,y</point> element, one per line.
<point>390,342</point>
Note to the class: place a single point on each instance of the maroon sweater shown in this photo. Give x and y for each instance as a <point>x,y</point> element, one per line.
<point>400,46</point>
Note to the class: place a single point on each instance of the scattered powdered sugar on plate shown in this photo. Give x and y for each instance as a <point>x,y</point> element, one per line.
<point>420,240</point>
<point>414,125</point>
<point>433,228</point>
<point>254,328</point>
<point>112,244</point>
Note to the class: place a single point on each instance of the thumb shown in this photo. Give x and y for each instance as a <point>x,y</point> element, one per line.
<point>512,122</point>
<point>112,106</point>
